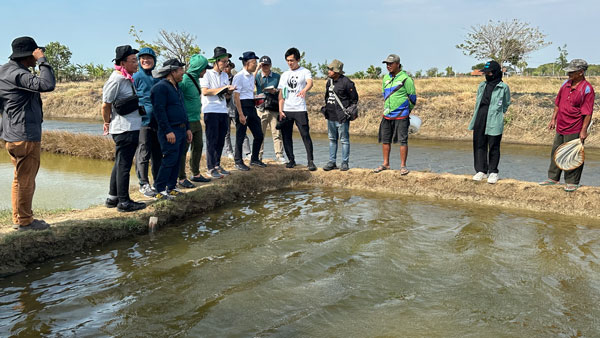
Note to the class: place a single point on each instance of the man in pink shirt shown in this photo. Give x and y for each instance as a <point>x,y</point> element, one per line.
<point>573,110</point>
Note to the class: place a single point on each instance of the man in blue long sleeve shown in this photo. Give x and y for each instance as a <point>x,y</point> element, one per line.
<point>148,151</point>
<point>173,126</point>
<point>21,125</point>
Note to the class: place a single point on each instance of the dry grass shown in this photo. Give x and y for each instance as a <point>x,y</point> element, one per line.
<point>444,104</point>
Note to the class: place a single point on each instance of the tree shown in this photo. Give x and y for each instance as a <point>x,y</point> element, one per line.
<point>507,42</point>
<point>432,72</point>
<point>59,57</point>
<point>450,71</point>
<point>373,72</point>
<point>418,73</point>
<point>478,66</point>
<point>308,65</point>
<point>561,60</point>
<point>359,75</point>
<point>168,45</point>
<point>323,68</point>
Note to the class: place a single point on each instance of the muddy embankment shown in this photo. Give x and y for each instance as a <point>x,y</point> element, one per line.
<point>77,231</point>
<point>444,104</point>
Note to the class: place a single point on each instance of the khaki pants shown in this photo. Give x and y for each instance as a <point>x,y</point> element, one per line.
<point>25,156</point>
<point>271,117</point>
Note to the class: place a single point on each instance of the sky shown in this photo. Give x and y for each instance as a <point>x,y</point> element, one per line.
<point>423,33</point>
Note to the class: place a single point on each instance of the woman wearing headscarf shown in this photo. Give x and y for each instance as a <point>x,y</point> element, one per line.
<point>487,124</point>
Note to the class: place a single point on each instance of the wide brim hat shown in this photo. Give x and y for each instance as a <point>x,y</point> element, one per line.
<point>220,52</point>
<point>23,47</point>
<point>248,56</point>
<point>336,66</point>
<point>167,67</point>
<point>122,52</point>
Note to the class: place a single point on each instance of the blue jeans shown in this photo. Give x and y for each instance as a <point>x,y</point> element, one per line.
<point>335,128</point>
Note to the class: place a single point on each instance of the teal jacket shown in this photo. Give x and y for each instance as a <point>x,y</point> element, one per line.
<point>499,103</point>
<point>191,95</point>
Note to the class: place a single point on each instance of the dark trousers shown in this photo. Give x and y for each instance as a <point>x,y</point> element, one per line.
<point>287,129</point>
<point>196,151</point>
<point>148,153</point>
<point>252,122</point>
<point>486,151</point>
<point>169,168</point>
<point>125,147</point>
<point>571,176</point>
<point>215,128</point>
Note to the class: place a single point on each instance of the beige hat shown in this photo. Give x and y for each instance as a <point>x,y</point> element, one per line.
<point>336,66</point>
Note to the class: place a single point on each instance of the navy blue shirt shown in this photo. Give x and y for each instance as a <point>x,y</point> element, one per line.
<point>169,109</point>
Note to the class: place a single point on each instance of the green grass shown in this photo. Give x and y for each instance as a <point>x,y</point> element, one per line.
<point>6,214</point>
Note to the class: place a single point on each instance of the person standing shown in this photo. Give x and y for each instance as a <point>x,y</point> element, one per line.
<point>148,150</point>
<point>173,126</point>
<point>190,88</point>
<point>21,118</point>
<point>215,84</point>
<point>293,86</point>
<point>573,109</point>
<point>399,99</point>
<point>340,93</point>
<point>487,124</point>
<point>267,83</point>
<point>232,113</point>
<point>123,123</point>
<point>247,116</point>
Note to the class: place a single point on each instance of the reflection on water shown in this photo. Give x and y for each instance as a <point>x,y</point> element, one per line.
<point>324,263</point>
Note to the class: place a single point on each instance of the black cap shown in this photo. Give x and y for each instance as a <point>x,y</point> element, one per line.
<point>122,52</point>
<point>265,60</point>
<point>220,52</point>
<point>23,47</point>
<point>248,56</point>
<point>491,66</point>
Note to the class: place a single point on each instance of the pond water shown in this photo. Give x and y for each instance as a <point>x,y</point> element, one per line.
<point>324,263</point>
<point>66,182</point>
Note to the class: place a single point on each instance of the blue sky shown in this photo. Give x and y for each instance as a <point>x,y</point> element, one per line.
<point>360,33</point>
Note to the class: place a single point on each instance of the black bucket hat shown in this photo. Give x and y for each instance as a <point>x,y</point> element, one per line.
<point>23,47</point>
<point>220,52</point>
<point>122,52</point>
<point>248,56</point>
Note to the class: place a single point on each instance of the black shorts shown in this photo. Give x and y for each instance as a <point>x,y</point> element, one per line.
<point>394,131</point>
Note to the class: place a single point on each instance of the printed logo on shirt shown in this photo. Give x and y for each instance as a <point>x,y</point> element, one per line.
<point>330,97</point>
<point>293,83</point>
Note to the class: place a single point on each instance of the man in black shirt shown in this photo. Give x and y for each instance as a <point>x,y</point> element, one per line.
<point>340,93</point>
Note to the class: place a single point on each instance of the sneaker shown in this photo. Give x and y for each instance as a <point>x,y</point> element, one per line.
<point>147,190</point>
<point>37,224</point>
<point>290,164</point>
<point>493,178</point>
<point>330,166</point>
<point>241,167</point>
<point>186,184</point>
<point>130,206</point>
<point>479,176</point>
<point>281,160</point>
<point>230,156</point>
<point>110,203</point>
<point>248,157</point>
<point>311,166</point>
<point>163,196</point>
<point>222,171</point>
<point>258,163</point>
<point>344,166</point>
<point>199,178</point>
<point>214,173</point>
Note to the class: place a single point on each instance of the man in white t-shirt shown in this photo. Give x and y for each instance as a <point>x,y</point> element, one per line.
<point>246,116</point>
<point>215,84</point>
<point>293,85</point>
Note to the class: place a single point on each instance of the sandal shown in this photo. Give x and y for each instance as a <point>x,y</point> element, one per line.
<point>380,169</point>
<point>404,171</point>
<point>549,182</point>
<point>571,187</point>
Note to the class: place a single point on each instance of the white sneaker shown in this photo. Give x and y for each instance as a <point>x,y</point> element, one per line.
<point>493,178</point>
<point>230,156</point>
<point>281,160</point>
<point>147,190</point>
<point>479,176</point>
